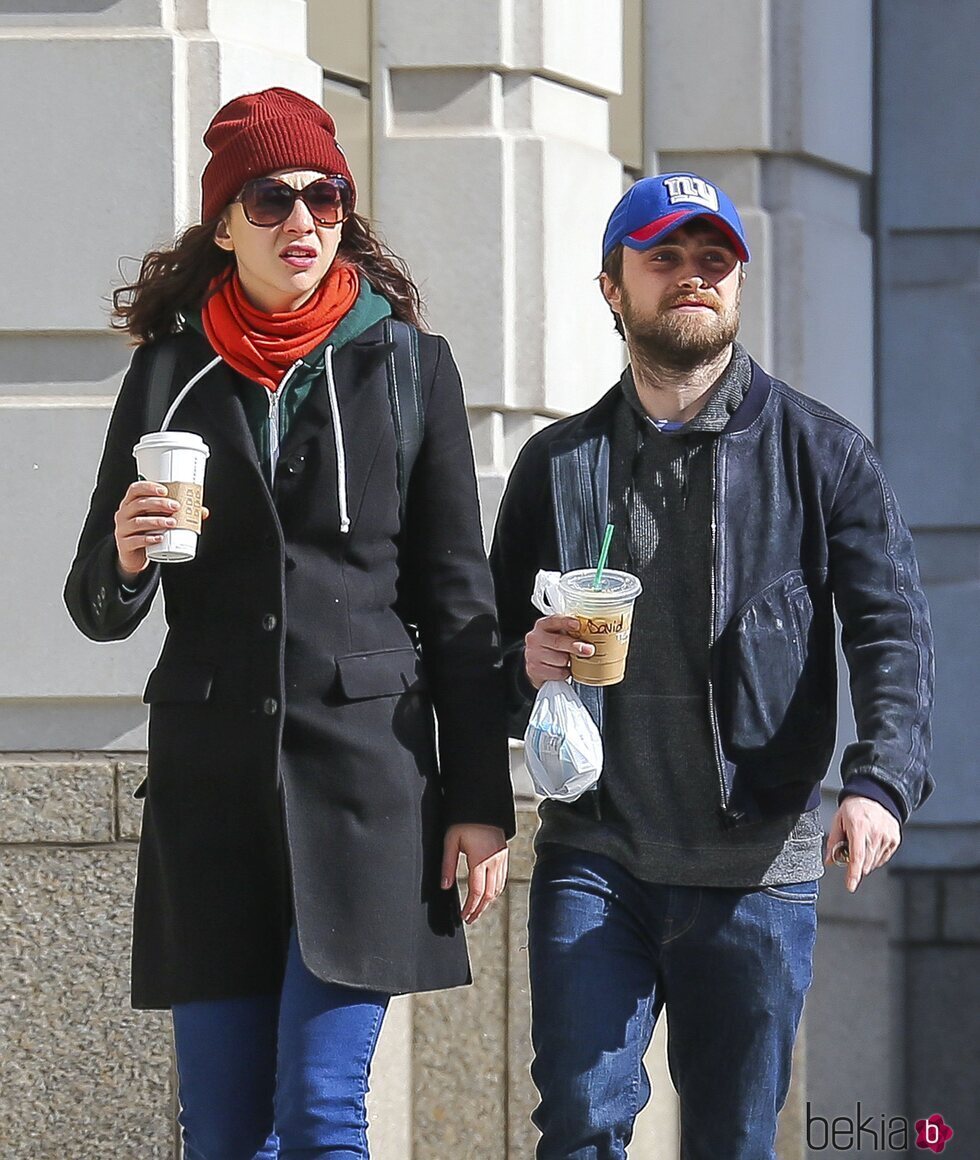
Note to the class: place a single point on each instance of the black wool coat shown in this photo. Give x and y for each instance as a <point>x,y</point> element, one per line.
<point>295,772</point>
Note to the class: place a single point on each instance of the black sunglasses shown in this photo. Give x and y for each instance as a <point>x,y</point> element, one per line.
<point>267,201</point>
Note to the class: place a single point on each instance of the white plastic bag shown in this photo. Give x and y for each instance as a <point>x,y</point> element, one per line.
<point>562,746</point>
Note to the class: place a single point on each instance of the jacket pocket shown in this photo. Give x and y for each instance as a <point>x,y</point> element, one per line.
<point>179,682</point>
<point>776,671</point>
<point>379,674</point>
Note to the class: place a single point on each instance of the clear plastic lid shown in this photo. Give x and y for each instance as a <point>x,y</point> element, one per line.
<point>614,587</point>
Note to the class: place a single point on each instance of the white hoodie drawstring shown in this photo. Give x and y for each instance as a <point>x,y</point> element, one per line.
<point>165,425</point>
<point>338,438</point>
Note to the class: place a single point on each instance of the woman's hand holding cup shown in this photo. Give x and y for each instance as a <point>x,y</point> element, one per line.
<point>143,517</point>
<point>549,646</point>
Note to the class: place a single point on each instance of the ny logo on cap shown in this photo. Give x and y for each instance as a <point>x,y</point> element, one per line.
<point>692,189</point>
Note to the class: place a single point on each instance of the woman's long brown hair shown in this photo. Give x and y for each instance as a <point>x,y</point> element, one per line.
<point>176,280</point>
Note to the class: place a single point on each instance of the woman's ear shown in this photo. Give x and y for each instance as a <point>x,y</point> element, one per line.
<point>222,235</point>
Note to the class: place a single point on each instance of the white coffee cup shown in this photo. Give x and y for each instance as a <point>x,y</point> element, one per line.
<point>177,460</point>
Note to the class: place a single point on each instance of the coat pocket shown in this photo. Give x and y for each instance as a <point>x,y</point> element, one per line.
<point>776,672</point>
<point>179,682</point>
<point>379,674</point>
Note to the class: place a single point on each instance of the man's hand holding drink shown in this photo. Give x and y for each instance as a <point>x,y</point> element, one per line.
<point>549,646</point>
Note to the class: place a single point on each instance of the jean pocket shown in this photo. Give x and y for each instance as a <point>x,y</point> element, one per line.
<point>804,893</point>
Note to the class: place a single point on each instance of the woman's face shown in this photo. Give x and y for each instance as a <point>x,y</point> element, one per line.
<point>280,266</point>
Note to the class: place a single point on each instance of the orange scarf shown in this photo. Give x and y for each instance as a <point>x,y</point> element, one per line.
<point>263,346</point>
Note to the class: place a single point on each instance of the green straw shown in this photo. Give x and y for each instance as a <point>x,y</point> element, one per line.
<point>603,557</point>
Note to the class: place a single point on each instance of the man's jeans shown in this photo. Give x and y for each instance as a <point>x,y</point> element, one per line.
<point>271,1077</point>
<point>608,951</point>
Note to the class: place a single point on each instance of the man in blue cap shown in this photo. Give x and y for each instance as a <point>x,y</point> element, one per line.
<point>687,880</point>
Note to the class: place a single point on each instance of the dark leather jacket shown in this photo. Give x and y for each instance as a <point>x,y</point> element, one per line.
<point>803,522</point>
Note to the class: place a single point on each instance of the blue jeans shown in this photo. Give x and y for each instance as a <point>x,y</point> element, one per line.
<point>278,1077</point>
<point>608,951</point>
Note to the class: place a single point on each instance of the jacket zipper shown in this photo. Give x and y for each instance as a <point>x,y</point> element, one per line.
<point>274,398</point>
<point>715,731</point>
<point>338,437</point>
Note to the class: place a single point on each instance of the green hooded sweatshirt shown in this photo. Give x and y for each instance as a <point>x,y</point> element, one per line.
<point>369,308</point>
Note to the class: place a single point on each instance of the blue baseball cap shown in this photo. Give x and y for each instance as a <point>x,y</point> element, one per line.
<point>654,206</point>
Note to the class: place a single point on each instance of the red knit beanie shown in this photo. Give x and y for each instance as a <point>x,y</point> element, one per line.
<point>261,132</point>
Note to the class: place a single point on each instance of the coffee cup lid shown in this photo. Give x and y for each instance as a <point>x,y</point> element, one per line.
<point>172,441</point>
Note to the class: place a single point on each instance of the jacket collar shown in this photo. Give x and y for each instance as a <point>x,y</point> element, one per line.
<point>596,419</point>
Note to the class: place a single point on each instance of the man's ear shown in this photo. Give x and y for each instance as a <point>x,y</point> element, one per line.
<point>222,235</point>
<point>611,292</point>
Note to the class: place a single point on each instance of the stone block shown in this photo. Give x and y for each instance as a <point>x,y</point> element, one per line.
<point>558,43</point>
<point>822,73</point>
<point>48,460</point>
<point>439,100</point>
<point>943,1029</point>
<point>129,810</point>
<point>824,288</point>
<point>549,109</point>
<point>84,1076</point>
<point>848,1019</point>
<point>339,36</point>
<point>56,801</point>
<point>928,95</point>
<point>107,13</point>
<point>948,557</point>
<point>955,612</point>
<point>460,1049</point>
<point>473,237</point>
<point>276,25</point>
<point>923,916</point>
<point>29,724</point>
<point>83,135</point>
<point>929,337</point>
<point>48,365</point>
<point>582,355</point>
<point>707,92</point>
<point>961,911</point>
<point>439,33</point>
<point>540,36</point>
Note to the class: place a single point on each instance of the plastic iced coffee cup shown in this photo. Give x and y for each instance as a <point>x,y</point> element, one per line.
<point>176,459</point>
<point>605,617</point>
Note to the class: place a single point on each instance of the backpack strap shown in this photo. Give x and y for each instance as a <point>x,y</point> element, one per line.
<point>405,397</point>
<point>163,363</point>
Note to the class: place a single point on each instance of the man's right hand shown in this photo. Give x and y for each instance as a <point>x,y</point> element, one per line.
<point>548,649</point>
<point>143,516</point>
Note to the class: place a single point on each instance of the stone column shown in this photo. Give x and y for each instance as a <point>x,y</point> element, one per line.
<point>102,107</point>
<point>493,177</point>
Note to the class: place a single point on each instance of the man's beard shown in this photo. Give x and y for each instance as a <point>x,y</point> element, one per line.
<point>676,340</point>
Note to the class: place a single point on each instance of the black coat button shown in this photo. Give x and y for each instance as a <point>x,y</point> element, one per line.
<point>290,564</point>
<point>270,706</point>
<point>269,622</point>
<point>296,463</point>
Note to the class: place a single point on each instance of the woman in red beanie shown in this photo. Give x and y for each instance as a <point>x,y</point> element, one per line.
<point>302,819</point>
